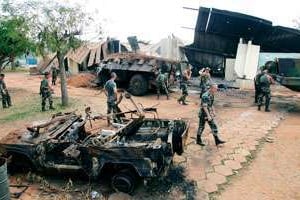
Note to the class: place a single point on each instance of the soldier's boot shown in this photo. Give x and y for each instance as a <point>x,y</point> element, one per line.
<point>218,141</point>
<point>157,97</point>
<point>258,108</point>
<point>199,141</point>
<point>267,105</point>
<point>179,100</point>
<point>51,107</point>
<point>43,109</point>
<point>183,101</point>
<point>168,97</point>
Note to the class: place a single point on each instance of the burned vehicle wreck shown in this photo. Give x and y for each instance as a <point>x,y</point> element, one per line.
<point>138,148</point>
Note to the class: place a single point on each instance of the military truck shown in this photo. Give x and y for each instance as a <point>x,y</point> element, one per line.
<point>136,72</point>
<point>138,148</point>
<point>286,71</point>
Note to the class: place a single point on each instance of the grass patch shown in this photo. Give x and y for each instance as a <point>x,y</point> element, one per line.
<point>17,69</point>
<point>29,108</point>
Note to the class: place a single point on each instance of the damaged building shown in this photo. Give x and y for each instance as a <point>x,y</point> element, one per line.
<point>219,33</point>
<point>85,58</point>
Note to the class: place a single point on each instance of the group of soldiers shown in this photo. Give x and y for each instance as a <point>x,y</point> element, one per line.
<point>46,90</point>
<point>207,92</point>
<point>262,83</point>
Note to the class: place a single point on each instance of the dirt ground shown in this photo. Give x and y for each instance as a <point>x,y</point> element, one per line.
<point>274,173</point>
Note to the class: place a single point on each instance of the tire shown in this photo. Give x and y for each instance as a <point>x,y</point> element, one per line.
<point>138,85</point>
<point>124,181</point>
<point>177,142</point>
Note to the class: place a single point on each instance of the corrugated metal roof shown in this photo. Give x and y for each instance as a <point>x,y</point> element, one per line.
<point>78,55</point>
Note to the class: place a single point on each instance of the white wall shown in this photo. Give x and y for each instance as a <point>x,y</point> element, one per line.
<point>246,60</point>
<point>230,74</point>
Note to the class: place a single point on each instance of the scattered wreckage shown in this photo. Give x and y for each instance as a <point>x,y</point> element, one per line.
<point>137,148</point>
<point>136,72</point>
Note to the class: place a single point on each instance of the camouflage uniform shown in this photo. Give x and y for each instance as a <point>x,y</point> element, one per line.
<point>110,86</point>
<point>184,89</point>
<point>45,92</point>
<point>257,86</point>
<point>204,84</point>
<point>54,75</point>
<point>207,100</point>
<point>6,100</point>
<point>265,91</point>
<point>161,85</point>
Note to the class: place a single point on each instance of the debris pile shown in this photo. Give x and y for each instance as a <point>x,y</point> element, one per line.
<point>81,80</point>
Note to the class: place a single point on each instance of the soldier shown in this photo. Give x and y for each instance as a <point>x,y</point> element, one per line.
<point>265,81</point>
<point>205,80</point>
<point>186,75</point>
<point>207,113</point>
<point>54,75</point>
<point>112,95</point>
<point>161,84</point>
<point>257,86</point>
<point>6,100</point>
<point>46,92</point>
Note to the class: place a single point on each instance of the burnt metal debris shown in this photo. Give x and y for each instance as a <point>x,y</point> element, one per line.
<point>139,148</point>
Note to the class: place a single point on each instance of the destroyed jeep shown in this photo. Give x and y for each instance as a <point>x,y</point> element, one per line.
<point>139,148</point>
<point>136,72</point>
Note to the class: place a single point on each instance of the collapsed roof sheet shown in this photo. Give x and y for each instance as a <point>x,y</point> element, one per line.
<point>235,25</point>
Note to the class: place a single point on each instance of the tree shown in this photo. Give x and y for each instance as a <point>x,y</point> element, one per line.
<point>57,29</point>
<point>54,27</point>
<point>14,39</point>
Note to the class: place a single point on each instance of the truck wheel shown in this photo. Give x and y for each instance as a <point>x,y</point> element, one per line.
<point>124,181</point>
<point>177,142</point>
<point>138,85</point>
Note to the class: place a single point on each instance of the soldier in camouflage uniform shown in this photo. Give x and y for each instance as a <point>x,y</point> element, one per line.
<point>112,96</point>
<point>6,100</point>
<point>46,92</point>
<point>54,75</point>
<point>257,85</point>
<point>207,113</point>
<point>205,80</point>
<point>161,84</point>
<point>184,85</point>
<point>265,81</point>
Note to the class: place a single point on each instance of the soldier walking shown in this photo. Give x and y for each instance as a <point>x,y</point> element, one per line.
<point>46,92</point>
<point>54,75</point>
<point>205,80</point>
<point>161,84</point>
<point>207,113</point>
<point>265,91</point>
<point>186,76</point>
<point>6,100</point>
<point>112,96</point>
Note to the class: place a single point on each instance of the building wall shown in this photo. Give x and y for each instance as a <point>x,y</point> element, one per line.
<point>247,60</point>
<point>73,67</point>
<point>230,74</point>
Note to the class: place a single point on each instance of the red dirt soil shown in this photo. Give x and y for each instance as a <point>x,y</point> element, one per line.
<point>81,80</point>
